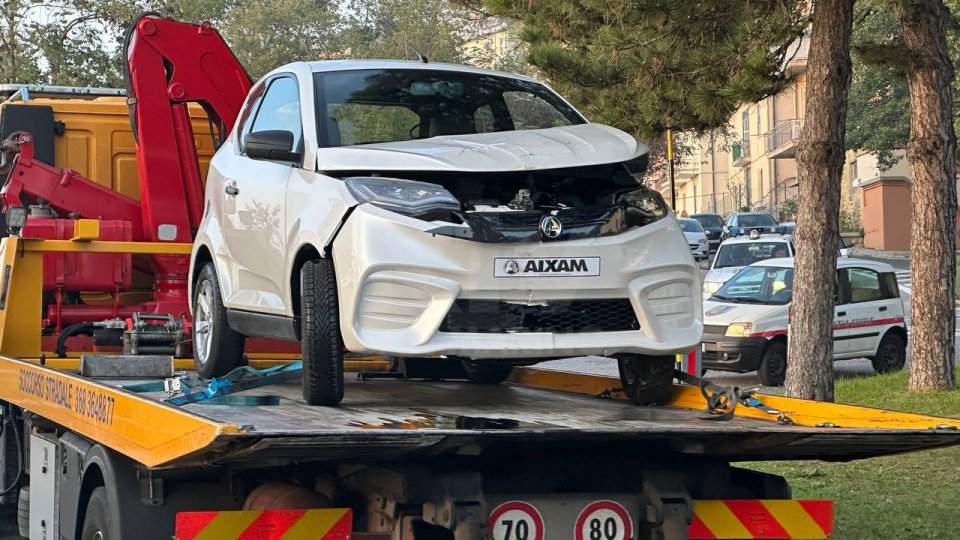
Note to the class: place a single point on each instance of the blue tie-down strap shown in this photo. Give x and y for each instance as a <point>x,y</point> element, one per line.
<point>196,389</point>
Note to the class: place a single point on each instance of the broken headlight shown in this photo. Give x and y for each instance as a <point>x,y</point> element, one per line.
<point>643,206</point>
<point>402,196</point>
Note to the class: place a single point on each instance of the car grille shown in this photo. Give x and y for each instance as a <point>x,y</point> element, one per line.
<point>494,317</point>
<point>715,329</point>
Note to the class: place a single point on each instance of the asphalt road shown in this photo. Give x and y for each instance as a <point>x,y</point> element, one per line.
<point>859,367</point>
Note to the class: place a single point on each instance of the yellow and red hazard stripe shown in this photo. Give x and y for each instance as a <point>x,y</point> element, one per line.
<point>325,524</point>
<point>768,519</point>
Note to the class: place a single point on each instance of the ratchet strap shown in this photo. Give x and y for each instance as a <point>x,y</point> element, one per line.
<point>722,400</point>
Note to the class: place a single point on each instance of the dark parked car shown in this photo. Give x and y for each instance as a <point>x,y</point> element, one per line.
<point>743,222</point>
<point>712,225</point>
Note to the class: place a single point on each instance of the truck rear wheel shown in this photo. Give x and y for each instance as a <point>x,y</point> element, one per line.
<point>96,522</point>
<point>481,372</point>
<point>320,338</point>
<point>217,349</point>
<point>647,380</point>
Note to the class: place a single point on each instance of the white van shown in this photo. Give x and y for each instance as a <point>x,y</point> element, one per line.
<point>745,322</point>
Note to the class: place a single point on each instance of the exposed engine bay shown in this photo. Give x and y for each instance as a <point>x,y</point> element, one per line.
<point>592,201</point>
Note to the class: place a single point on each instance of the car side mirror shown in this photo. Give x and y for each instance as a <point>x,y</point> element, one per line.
<point>704,264</point>
<point>275,144</point>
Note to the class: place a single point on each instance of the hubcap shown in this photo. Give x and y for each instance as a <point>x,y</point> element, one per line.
<point>98,536</point>
<point>203,323</point>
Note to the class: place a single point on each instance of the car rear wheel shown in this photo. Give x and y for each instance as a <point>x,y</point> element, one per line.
<point>320,338</point>
<point>891,354</point>
<point>481,372</point>
<point>773,366</point>
<point>217,349</point>
<point>647,380</point>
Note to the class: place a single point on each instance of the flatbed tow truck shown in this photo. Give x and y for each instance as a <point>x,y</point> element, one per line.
<point>98,444</point>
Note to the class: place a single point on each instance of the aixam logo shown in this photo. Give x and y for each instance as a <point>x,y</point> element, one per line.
<point>546,266</point>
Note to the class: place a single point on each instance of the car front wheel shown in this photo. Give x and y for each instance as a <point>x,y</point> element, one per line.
<point>773,366</point>
<point>647,380</point>
<point>320,338</point>
<point>217,349</point>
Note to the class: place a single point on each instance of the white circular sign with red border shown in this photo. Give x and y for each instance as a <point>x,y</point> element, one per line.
<point>603,520</point>
<point>516,520</point>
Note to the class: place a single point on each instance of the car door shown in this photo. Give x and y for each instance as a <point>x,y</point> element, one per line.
<point>253,203</point>
<point>859,322</point>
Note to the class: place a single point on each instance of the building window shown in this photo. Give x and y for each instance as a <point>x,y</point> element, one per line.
<point>853,172</point>
<point>745,122</point>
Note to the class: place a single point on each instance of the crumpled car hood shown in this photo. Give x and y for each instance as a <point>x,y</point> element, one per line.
<point>552,148</point>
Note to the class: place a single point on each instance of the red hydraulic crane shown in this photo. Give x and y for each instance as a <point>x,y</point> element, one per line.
<point>169,65</point>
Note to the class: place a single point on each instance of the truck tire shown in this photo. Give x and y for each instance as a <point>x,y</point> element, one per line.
<point>217,349</point>
<point>23,512</point>
<point>96,521</point>
<point>891,354</point>
<point>320,338</point>
<point>647,380</point>
<point>486,372</point>
<point>773,365</point>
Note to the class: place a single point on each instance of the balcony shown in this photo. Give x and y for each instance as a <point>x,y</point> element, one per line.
<point>685,170</point>
<point>741,153</point>
<point>781,142</point>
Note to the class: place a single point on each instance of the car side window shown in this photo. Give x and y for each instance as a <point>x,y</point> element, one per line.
<point>864,285</point>
<point>280,110</point>
<point>888,285</point>
<point>246,118</point>
<point>730,220</point>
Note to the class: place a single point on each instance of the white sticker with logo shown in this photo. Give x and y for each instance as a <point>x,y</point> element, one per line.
<point>507,267</point>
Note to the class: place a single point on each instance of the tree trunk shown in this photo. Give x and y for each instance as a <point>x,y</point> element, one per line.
<point>931,151</point>
<point>819,166</point>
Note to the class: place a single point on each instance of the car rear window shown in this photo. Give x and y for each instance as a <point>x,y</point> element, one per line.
<point>744,254</point>
<point>709,220</point>
<point>690,225</point>
<point>756,220</point>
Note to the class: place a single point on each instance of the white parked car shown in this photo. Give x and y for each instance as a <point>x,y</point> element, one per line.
<point>737,252</point>
<point>745,322</point>
<point>427,210</point>
<point>696,238</point>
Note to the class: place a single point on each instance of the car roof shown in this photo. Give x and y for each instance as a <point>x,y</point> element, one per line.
<point>745,239</point>
<point>348,65</point>
<point>704,214</point>
<point>842,262</point>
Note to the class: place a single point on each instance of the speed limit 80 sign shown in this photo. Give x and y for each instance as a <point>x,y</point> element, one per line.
<point>603,520</point>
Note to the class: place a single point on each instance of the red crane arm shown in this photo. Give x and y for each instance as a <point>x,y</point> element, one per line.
<point>169,64</point>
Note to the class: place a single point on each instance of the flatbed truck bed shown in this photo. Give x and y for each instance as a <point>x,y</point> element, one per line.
<point>547,438</point>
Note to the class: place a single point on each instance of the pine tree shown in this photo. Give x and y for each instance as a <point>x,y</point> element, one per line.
<point>646,66</point>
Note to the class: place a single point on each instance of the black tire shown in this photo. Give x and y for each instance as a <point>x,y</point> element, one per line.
<point>891,354</point>
<point>217,349</point>
<point>96,521</point>
<point>647,380</point>
<point>23,512</point>
<point>320,337</point>
<point>481,372</point>
<point>773,365</point>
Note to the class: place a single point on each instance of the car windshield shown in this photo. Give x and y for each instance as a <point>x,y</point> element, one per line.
<point>758,285</point>
<point>756,220</point>
<point>747,253</point>
<point>387,105</point>
<point>690,225</point>
<point>709,220</point>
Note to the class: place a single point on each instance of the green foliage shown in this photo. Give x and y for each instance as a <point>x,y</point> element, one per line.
<point>878,118</point>
<point>650,65</point>
<point>399,29</point>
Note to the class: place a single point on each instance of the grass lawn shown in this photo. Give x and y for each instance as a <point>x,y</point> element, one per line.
<point>913,496</point>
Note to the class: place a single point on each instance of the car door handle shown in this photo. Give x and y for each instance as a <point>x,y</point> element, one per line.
<point>841,313</point>
<point>883,308</point>
<point>231,189</point>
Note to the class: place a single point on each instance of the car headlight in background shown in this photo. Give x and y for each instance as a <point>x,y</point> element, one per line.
<point>403,196</point>
<point>710,287</point>
<point>703,241</point>
<point>739,329</point>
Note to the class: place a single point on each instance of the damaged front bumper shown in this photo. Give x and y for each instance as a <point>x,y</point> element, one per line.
<point>406,290</point>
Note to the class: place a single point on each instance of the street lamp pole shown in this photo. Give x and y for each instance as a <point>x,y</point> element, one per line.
<point>673,184</point>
